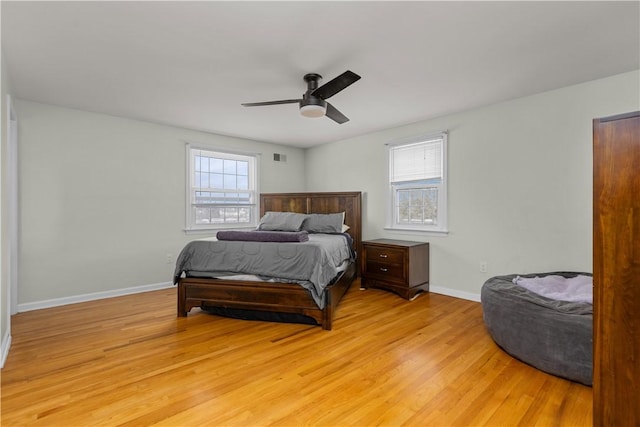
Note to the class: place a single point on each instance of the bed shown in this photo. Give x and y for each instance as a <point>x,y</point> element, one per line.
<point>275,300</point>
<point>555,336</point>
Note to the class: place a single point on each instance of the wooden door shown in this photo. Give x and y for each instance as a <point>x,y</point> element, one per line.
<point>616,270</point>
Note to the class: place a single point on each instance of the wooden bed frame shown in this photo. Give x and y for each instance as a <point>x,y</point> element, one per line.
<point>282,297</point>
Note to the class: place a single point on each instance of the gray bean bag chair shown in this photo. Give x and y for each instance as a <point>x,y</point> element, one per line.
<point>553,336</point>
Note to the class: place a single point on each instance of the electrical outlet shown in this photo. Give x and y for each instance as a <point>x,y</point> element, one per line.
<point>169,259</point>
<point>483,267</point>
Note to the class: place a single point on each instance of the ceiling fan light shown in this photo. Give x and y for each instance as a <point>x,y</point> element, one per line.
<point>312,110</point>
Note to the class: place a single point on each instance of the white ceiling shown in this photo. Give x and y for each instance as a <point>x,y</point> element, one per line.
<point>191,64</point>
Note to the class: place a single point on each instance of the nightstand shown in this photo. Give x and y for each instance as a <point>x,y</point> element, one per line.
<point>396,265</point>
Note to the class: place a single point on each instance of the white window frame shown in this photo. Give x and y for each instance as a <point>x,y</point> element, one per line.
<point>254,191</point>
<point>393,223</point>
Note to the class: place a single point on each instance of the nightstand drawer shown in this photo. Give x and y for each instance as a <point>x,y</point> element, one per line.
<point>385,255</point>
<point>385,271</point>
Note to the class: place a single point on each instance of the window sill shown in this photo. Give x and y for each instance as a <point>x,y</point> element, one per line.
<point>440,233</point>
<point>214,230</point>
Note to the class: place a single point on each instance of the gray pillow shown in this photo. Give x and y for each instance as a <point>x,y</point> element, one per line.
<point>324,223</point>
<point>281,221</point>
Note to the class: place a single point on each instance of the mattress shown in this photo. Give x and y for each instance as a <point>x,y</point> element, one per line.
<point>313,264</point>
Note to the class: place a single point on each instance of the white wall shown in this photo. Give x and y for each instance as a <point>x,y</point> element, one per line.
<point>5,319</point>
<point>520,182</point>
<point>102,199</point>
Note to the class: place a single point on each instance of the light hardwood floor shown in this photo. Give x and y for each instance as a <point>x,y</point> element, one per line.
<point>130,361</point>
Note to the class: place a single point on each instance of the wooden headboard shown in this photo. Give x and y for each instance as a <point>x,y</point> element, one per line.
<point>348,202</point>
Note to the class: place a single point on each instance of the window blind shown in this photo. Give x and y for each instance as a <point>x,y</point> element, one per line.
<point>417,161</point>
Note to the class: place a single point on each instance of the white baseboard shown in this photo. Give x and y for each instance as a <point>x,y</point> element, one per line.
<point>454,293</point>
<point>6,344</point>
<point>37,305</point>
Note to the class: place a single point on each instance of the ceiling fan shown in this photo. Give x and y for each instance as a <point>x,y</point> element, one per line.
<point>313,102</point>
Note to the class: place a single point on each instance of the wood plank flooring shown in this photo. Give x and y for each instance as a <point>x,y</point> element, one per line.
<point>129,361</point>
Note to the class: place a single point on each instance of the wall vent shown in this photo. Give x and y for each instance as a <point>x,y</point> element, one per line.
<point>279,157</point>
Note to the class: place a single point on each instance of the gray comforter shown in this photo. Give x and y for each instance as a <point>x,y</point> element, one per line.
<point>313,264</point>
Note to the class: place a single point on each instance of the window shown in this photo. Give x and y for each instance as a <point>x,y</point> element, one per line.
<point>417,183</point>
<point>222,189</point>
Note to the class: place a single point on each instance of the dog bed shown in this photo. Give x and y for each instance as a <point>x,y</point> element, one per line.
<point>552,335</point>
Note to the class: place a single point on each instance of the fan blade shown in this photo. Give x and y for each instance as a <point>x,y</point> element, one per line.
<point>334,86</point>
<point>284,101</point>
<point>335,115</point>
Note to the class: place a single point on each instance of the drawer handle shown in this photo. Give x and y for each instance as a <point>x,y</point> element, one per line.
<point>384,269</point>
<point>384,256</point>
